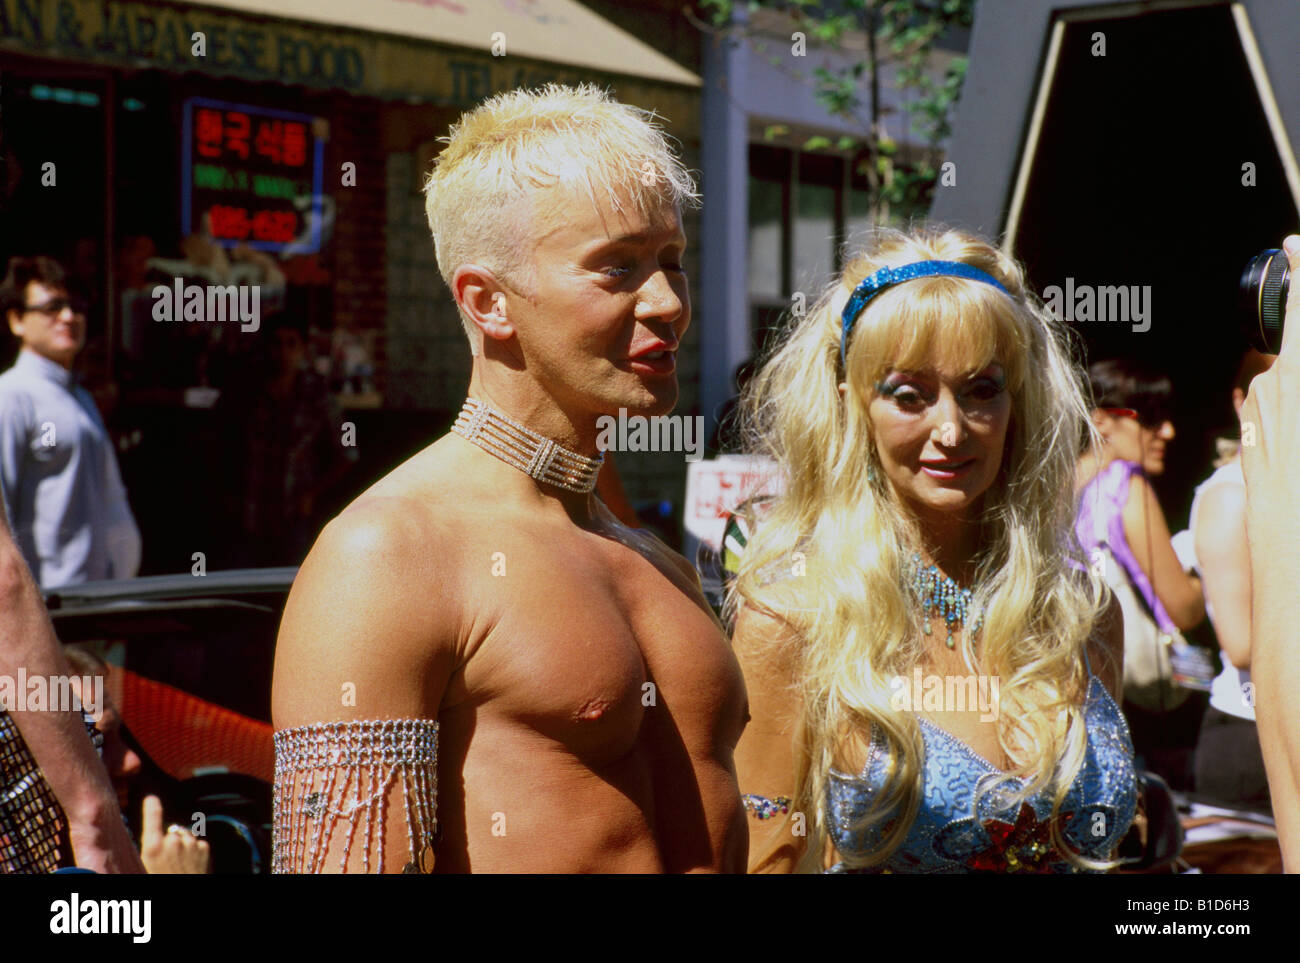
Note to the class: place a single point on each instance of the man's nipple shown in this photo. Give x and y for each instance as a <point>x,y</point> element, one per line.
<point>593,709</point>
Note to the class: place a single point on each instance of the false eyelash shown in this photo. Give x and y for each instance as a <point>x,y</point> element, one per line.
<point>889,390</point>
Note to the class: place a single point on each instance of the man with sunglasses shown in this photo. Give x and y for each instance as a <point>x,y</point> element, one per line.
<point>58,472</point>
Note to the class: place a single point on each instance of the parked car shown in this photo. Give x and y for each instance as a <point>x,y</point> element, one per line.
<point>190,659</point>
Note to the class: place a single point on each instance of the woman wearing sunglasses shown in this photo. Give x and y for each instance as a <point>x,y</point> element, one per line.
<point>1124,534</point>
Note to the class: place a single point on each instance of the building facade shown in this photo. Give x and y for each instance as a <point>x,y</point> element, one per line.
<point>287,141</point>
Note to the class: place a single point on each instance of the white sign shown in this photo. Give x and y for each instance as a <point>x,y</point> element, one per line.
<point>715,488</point>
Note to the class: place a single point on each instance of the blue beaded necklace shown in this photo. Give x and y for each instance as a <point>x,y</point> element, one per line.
<point>941,596</point>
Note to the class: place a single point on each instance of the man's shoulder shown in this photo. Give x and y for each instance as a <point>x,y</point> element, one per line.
<point>381,577</point>
<point>388,523</point>
<point>406,522</point>
<point>12,381</point>
<point>15,394</point>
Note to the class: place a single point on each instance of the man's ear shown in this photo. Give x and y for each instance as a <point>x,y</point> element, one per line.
<point>484,300</point>
<point>15,323</point>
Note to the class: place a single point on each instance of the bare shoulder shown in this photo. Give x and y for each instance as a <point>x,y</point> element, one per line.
<point>373,614</point>
<point>1222,510</point>
<point>1138,487</point>
<point>1141,500</point>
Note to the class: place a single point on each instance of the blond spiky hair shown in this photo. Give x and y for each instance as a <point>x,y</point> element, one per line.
<point>481,197</point>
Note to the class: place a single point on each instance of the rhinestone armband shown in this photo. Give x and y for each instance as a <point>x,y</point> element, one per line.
<point>334,771</point>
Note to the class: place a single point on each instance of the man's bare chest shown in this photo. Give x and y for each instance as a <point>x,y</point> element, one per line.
<point>596,644</point>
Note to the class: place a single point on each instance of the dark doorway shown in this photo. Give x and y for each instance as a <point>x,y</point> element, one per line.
<point>1138,180</point>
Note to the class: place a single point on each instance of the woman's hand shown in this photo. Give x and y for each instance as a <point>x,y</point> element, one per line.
<point>175,851</point>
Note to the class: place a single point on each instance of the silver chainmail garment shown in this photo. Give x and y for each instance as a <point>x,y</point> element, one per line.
<point>338,775</point>
<point>33,826</point>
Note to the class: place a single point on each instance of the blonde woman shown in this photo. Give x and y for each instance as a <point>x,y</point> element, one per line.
<point>927,690</point>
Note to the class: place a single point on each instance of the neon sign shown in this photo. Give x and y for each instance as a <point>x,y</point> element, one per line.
<point>255,173</point>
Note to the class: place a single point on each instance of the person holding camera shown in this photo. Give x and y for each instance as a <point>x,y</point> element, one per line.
<point>1271,467</point>
<point>1229,765</point>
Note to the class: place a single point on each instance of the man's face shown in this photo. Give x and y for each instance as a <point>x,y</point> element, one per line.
<point>606,306</point>
<point>48,325</point>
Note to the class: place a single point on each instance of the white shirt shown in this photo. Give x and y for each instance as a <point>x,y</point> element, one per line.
<point>59,477</point>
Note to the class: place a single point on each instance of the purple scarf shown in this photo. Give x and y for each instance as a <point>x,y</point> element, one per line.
<point>1106,495</point>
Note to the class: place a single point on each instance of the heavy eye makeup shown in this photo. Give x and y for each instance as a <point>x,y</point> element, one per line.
<point>911,390</point>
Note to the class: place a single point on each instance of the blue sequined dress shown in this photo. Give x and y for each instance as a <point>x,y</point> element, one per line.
<point>949,836</point>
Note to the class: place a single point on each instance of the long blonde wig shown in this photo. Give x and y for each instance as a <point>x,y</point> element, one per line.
<point>854,625</point>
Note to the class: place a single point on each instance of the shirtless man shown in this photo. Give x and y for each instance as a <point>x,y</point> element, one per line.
<point>586,698</point>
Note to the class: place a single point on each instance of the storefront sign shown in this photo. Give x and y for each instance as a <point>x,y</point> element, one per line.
<point>254,172</point>
<point>165,37</point>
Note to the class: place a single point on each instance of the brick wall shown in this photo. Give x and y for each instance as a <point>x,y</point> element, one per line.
<point>428,354</point>
<point>360,225</point>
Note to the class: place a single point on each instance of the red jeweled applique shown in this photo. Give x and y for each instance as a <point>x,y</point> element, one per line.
<point>1023,847</point>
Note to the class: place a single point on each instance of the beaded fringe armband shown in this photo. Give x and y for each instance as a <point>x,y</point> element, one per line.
<point>343,771</point>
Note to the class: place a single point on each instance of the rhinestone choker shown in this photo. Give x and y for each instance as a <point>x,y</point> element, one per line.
<point>535,455</point>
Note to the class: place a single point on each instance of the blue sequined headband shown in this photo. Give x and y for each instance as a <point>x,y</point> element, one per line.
<point>888,277</point>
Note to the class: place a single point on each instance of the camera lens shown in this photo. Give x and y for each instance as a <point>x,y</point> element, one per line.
<point>1264,287</point>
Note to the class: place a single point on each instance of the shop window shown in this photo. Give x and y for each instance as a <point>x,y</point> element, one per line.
<point>52,170</point>
<point>769,198</point>
<point>817,221</point>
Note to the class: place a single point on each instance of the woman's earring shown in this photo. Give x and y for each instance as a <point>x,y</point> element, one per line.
<point>871,473</point>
